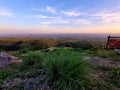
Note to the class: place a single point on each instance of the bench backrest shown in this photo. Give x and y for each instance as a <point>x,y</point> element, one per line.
<point>113,42</point>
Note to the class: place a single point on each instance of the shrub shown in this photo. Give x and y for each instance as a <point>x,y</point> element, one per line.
<point>66,70</point>
<point>32,58</point>
<point>76,45</point>
<point>3,74</point>
<point>106,53</point>
<point>1,49</point>
<point>116,72</point>
<point>24,50</point>
<point>115,76</point>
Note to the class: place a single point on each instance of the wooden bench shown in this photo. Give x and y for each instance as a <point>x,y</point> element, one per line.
<point>114,43</point>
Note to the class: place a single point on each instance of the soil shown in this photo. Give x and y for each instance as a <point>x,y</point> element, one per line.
<point>104,62</point>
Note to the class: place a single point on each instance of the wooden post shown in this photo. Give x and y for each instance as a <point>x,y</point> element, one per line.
<point>108,42</point>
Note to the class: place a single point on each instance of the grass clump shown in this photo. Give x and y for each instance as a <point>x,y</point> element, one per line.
<point>3,74</point>
<point>24,50</point>
<point>115,76</point>
<point>32,58</point>
<point>106,53</point>
<point>66,70</point>
<point>111,54</point>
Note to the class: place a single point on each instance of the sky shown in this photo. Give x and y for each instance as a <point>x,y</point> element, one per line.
<point>59,16</point>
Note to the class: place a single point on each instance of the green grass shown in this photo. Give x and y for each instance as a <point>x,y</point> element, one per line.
<point>29,68</point>
<point>111,54</point>
<point>4,74</point>
<point>24,50</point>
<point>115,76</point>
<point>106,53</point>
<point>32,58</point>
<point>66,70</point>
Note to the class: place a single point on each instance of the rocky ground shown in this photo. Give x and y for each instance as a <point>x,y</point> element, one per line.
<point>6,59</point>
<point>102,73</point>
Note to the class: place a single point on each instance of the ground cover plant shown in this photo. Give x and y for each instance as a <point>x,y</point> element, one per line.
<point>66,70</point>
<point>63,69</point>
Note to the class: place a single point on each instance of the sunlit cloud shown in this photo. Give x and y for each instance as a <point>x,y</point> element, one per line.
<point>55,21</point>
<point>50,9</point>
<point>108,16</point>
<point>62,21</point>
<point>46,9</point>
<point>40,16</point>
<point>5,13</point>
<point>82,21</point>
<point>72,13</point>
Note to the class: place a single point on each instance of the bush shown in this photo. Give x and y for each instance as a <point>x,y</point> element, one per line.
<point>66,70</point>
<point>3,74</point>
<point>76,45</point>
<point>24,50</point>
<point>115,76</point>
<point>106,53</point>
<point>116,73</point>
<point>1,50</point>
<point>32,58</point>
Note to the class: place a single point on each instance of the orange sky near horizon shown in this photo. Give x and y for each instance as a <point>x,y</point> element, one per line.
<point>59,16</point>
<point>52,29</point>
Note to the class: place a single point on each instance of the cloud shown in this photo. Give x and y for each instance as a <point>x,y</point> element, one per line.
<point>37,16</point>
<point>50,9</point>
<point>46,9</point>
<point>55,21</point>
<point>82,21</point>
<point>72,13</point>
<point>63,21</point>
<point>5,13</point>
<point>108,16</point>
<point>40,16</point>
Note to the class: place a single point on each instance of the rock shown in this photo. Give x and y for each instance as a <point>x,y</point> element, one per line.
<point>37,83</point>
<point>30,84</point>
<point>43,86</point>
<point>117,51</point>
<point>13,82</point>
<point>51,48</point>
<point>6,59</point>
<point>87,58</point>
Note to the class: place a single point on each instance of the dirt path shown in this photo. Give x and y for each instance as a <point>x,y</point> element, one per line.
<point>105,62</point>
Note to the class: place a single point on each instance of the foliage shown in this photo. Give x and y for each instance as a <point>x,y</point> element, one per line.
<point>4,74</point>
<point>24,50</point>
<point>111,54</point>
<point>76,45</point>
<point>32,58</point>
<point>1,50</point>
<point>115,76</point>
<point>66,70</point>
<point>106,53</point>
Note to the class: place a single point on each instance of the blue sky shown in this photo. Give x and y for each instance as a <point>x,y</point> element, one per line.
<point>60,16</point>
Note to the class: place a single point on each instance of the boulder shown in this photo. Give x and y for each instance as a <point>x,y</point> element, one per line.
<point>6,59</point>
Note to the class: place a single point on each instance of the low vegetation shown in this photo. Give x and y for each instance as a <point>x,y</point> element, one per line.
<point>111,54</point>
<point>75,67</point>
<point>66,70</point>
<point>13,44</point>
